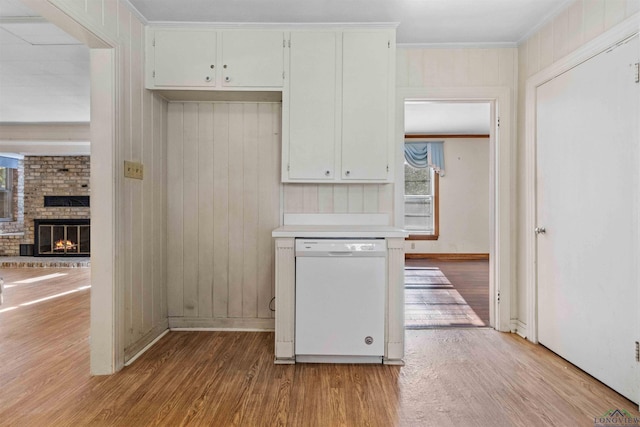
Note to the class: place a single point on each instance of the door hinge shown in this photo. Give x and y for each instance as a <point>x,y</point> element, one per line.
<point>284,43</point>
<point>498,297</point>
<point>283,75</point>
<point>289,43</point>
<point>288,167</point>
<point>637,77</point>
<point>637,351</point>
<point>498,121</point>
<point>389,44</point>
<point>153,43</point>
<point>154,74</point>
<point>387,168</point>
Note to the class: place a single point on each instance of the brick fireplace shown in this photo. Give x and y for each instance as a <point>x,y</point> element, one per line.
<point>46,176</point>
<point>62,237</point>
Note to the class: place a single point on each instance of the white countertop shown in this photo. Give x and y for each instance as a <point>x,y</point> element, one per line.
<point>339,231</point>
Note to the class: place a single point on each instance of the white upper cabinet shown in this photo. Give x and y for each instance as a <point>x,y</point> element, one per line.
<point>366,106</point>
<point>209,59</point>
<point>184,58</point>
<point>312,120</point>
<point>338,121</point>
<point>252,58</point>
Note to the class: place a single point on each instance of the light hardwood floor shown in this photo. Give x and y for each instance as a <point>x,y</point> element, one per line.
<point>453,377</point>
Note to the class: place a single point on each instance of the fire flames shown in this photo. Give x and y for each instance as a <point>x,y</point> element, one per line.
<point>62,245</point>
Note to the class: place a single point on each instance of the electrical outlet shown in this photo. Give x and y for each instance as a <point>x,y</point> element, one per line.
<point>133,170</point>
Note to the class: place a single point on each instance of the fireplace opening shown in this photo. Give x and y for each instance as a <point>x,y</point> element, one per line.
<point>62,237</point>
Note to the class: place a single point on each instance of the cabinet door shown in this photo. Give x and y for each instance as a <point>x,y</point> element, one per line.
<point>185,58</point>
<point>312,101</point>
<point>365,105</point>
<point>252,58</point>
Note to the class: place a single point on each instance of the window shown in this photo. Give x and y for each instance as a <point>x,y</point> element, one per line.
<point>421,202</point>
<point>6,194</point>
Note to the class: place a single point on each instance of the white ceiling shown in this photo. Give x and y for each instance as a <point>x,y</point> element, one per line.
<point>421,21</point>
<point>44,73</point>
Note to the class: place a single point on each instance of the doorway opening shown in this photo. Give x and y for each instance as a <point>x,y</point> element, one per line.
<point>447,204</point>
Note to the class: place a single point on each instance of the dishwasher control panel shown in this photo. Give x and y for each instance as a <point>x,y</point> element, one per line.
<point>341,247</point>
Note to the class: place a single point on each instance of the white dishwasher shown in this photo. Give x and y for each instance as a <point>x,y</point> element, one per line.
<point>340,300</point>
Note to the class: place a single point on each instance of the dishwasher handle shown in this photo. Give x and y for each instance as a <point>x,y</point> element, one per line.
<point>340,253</point>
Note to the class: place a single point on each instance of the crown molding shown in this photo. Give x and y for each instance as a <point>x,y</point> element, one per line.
<point>135,12</point>
<point>561,6</point>
<point>272,25</point>
<point>487,45</point>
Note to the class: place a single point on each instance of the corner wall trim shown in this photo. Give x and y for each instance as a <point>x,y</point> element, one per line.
<point>146,347</point>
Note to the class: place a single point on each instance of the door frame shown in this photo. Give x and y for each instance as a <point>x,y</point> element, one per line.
<point>107,323</point>
<point>617,34</point>
<point>501,193</point>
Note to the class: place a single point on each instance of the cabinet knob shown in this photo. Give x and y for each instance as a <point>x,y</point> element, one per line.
<point>347,173</point>
<point>212,66</point>
<point>207,79</point>
<point>327,173</point>
<point>224,66</point>
<point>227,79</point>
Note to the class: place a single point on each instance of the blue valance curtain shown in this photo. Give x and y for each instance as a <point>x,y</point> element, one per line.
<point>421,154</point>
<point>8,162</point>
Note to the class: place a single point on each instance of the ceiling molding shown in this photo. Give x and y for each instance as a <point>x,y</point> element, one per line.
<point>561,6</point>
<point>272,25</point>
<point>46,148</point>
<point>44,132</point>
<point>135,12</point>
<point>445,136</point>
<point>485,45</point>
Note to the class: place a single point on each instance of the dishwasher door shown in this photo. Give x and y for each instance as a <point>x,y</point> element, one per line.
<point>340,300</point>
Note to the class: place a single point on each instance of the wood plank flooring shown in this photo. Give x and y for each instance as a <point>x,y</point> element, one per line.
<point>469,284</point>
<point>452,377</point>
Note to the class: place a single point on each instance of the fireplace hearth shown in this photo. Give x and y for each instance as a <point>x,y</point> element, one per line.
<point>62,237</point>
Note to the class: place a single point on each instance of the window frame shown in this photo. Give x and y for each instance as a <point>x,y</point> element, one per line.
<point>8,189</point>
<point>436,214</point>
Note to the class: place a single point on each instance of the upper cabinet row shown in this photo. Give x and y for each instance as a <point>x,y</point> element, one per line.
<point>209,59</point>
<point>337,90</point>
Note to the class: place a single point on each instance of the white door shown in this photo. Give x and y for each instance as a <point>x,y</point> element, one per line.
<point>185,58</point>
<point>252,58</point>
<point>587,201</point>
<point>365,105</point>
<point>312,105</point>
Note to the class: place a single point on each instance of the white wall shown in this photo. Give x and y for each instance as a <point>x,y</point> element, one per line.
<point>579,23</point>
<point>224,186</point>
<point>463,200</point>
<point>137,263</point>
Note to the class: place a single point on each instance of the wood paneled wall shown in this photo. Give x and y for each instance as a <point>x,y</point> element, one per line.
<point>339,198</point>
<point>224,201</point>
<point>573,27</point>
<point>432,67</point>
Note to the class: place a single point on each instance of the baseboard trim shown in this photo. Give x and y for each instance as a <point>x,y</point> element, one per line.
<point>135,350</point>
<point>521,329</point>
<point>449,256</point>
<point>220,324</point>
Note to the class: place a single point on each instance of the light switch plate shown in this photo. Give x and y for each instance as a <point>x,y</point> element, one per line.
<point>133,170</point>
